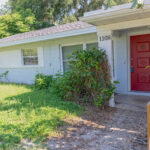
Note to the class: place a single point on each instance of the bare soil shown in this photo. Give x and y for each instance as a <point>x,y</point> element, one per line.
<point>109,129</point>
<point>121,128</point>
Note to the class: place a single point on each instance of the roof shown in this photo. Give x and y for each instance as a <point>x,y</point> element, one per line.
<point>116,14</point>
<point>49,32</point>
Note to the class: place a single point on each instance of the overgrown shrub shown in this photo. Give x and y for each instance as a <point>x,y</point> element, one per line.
<point>88,80</point>
<point>43,81</point>
<point>4,75</point>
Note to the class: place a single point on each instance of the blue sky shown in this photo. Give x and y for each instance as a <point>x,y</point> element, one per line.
<point>2,2</point>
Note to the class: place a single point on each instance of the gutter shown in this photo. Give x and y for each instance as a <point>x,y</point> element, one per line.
<point>81,31</point>
<point>114,12</point>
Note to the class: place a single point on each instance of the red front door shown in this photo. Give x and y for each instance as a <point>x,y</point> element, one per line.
<point>140,62</point>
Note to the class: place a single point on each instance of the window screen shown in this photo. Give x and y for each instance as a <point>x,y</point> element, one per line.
<point>30,56</point>
<point>67,51</point>
<point>91,45</point>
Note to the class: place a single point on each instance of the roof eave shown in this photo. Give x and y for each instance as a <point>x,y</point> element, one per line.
<point>99,17</point>
<point>51,37</point>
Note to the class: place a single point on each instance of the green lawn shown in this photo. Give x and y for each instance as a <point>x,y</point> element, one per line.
<point>26,113</point>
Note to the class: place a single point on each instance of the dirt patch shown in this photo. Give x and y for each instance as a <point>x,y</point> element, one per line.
<point>110,129</point>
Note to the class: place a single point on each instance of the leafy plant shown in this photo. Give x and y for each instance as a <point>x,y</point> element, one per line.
<point>43,81</point>
<point>51,12</point>
<point>4,75</point>
<point>89,80</point>
<point>14,23</point>
<point>136,3</point>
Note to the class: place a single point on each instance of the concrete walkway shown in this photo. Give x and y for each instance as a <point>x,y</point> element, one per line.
<point>132,102</point>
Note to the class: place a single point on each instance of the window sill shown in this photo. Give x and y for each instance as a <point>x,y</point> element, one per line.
<point>31,66</point>
<point>22,67</point>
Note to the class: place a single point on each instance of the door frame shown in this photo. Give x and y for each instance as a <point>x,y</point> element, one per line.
<point>128,36</point>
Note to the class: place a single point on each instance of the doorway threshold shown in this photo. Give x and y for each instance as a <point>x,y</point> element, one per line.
<point>141,93</point>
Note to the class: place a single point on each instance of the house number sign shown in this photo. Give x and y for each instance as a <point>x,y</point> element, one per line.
<point>105,38</point>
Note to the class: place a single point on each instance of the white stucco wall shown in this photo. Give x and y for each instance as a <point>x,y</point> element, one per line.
<point>122,57</point>
<point>120,61</point>
<point>50,61</point>
<point>10,58</point>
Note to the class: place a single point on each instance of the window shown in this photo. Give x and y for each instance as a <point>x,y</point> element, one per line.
<point>30,56</point>
<point>66,51</point>
<point>91,45</point>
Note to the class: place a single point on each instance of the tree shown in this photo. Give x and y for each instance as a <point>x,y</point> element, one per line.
<point>136,3</point>
<point>5,9</point>
<point>47,12</point>
<point>68,19</point>
<point>50,12</point>
<point>24,15</point>
<point>11,24</point>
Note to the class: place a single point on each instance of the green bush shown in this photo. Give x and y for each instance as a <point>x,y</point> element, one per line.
<point>43,81</point>
<point>4,75</point>
<point>88,80</point>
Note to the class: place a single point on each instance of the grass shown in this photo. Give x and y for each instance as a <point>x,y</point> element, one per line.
<point>26,113</point>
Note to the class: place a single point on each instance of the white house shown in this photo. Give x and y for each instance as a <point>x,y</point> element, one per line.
<point>123,32</point>
<point>125,35</point>
<point>43,51</point>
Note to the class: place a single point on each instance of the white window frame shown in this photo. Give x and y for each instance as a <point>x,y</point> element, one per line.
<point>61,53</point>
<point>40,52</point>
<point>29,57</point>
<point>91,43</point>
<point>84,45</point>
